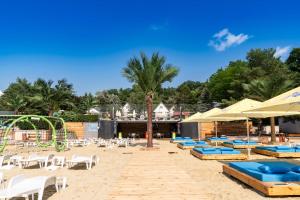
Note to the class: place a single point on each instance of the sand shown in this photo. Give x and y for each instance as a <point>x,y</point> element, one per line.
<point>131,173</point>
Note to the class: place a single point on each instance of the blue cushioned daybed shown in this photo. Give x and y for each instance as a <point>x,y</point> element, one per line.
<point>191,144</point>
<point>279,151</point>
<point>222,153</point>
<point>181,139</point>
<point>273,178</point>
<point>241,144</point>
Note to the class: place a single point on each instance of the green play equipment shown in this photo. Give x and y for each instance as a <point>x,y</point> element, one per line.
<point>8,122</point>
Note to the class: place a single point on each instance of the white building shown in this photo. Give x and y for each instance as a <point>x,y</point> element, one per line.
<point>126,109</point>
<point>93,111</point>
<point>161,111</point>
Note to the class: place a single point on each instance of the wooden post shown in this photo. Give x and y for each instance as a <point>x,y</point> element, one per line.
<point>273,136</point>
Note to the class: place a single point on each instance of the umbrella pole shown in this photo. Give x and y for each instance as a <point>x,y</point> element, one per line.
<point>216,125</point>
<point>248,136</point>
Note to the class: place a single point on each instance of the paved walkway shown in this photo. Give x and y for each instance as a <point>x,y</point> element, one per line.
<point>154,175</point>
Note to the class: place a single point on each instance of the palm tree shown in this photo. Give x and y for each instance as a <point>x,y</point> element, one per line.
<point>15,103</point>
<point>264,89</point>
<point>149,75</point>
<point>88,101</point>
<point>50,98</point>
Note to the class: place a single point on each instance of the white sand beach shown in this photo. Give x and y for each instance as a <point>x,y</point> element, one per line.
<point>132,173</point>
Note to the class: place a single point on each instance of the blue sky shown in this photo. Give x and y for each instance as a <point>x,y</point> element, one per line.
<point>88,42</point>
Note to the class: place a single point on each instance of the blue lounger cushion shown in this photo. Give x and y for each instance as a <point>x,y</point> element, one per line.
<point>188,143</point>
<point>253,169</point>
<point>219,151</point>
<point>238,141</point>
<point>207,151</point>
<point>274,170</point>
<point>281,149</point>
<point>226,149</point>
<point>218,138</point>
<point>251,142</point>
<point>231,152</point>
<point>296,169</point>
<point>193,143</point>
<point>241,142</point>
<point>201,143</point>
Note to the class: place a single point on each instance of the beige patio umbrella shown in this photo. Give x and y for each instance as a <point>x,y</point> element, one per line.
<point>241,109</point>
<point>209,116</point>
<point>286,102</point>
<point>192,118</point>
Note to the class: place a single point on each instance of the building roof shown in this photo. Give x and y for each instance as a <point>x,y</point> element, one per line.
<point>161,108</point>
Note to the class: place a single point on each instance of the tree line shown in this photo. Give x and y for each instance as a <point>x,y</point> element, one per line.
<point>259,76</point>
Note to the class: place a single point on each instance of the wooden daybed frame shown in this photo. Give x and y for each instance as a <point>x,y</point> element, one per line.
<point>277,154</point>
<point>251,146</point>
<point>219,156</point>
<point>267,188</point>
<point>180,146</point>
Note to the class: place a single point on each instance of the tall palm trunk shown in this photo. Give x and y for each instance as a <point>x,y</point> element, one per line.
<point>273,136</point>
<point>149,101</point>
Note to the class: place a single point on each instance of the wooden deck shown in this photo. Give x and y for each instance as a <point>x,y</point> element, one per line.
<point>154,175</point>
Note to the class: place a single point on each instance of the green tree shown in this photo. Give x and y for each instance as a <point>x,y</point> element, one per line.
<point>293,61</point>
<point>49,98</point>
<point>227,83</point>
<point>15,103</point>
<point>149,75</point>
<point>266,88</point>
<point>87,102</point>
<point>16,96</point>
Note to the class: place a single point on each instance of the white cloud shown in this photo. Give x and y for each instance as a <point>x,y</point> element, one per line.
<point>281,51</point>
<point>225,39</point>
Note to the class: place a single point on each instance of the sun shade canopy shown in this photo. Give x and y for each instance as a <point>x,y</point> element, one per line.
<point>244,108</point>
<point>192,118</point>
<point>285,103</point>
<point>210,116</point>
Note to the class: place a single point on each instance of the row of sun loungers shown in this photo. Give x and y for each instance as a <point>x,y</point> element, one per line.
<point>272,178</point>
<point>43,161</point>
<point>111,143</point>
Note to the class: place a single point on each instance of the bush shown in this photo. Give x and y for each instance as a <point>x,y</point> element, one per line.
<point>73,117</point>
<point>40,125</point>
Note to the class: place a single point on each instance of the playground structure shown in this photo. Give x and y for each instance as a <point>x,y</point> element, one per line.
<point>9,122</point>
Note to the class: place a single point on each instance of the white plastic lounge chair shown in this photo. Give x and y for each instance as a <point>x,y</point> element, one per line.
<point>88,160</point>
<point>2,160</point>
<point>41,160</point>
<point>57,162</point>
<point>20,186</point>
